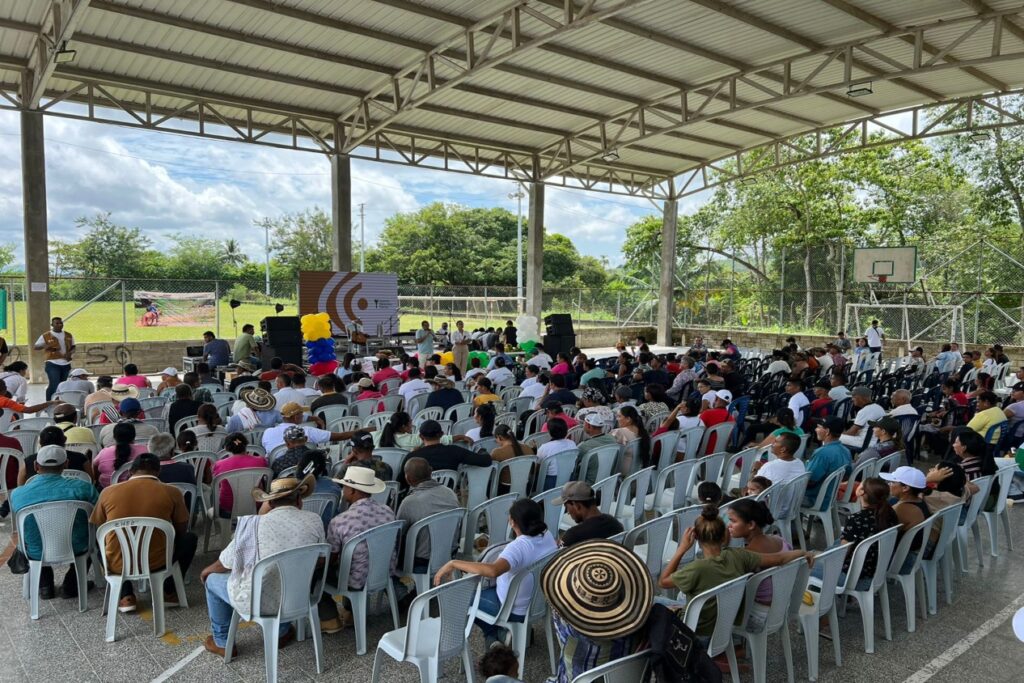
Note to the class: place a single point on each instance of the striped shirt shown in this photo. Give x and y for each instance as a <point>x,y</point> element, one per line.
<point>581,654</point>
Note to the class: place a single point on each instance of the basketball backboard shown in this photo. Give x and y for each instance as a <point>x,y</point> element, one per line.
<point>878,265</point>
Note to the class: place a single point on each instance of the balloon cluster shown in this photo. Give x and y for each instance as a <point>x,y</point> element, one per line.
<point>316,330</point>
<point>482,355</point>
<point>527,332</point>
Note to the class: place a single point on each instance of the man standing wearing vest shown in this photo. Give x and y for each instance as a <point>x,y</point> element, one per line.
<point>58,346</point>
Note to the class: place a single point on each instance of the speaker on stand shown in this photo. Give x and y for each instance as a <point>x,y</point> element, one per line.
<point>282,337</point>
<point>560,336</point>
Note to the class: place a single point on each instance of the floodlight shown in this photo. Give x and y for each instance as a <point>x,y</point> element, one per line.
<point>611,155</point>
<point>859,89</point>
<point>64,55</point>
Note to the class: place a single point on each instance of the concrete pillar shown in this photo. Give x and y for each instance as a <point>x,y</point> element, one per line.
<point>666,301</point>
<point>535,251</point>
<point>341,212</point>
<point>37,266</point>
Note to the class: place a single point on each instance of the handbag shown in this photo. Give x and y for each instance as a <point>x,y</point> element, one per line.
<point>17,562</point>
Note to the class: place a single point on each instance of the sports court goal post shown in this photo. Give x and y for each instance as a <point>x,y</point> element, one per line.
<point>911,323</point>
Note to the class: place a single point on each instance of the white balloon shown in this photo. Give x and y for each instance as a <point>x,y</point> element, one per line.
<point>526,326</point>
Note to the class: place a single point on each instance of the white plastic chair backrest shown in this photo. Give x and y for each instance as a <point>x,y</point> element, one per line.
<point>786,497</point>
<point>446,426</point>
<point>391,403</point>
<point>709,467</point>
<point>831,563</point>
<point>722,429</point>
<point>27,438</point>
<point>75,398</point>
<point>293,569</point>
<point>135,535</point>
<point>633,491</point>
<point>533,423</point>
<point>606,456</point>
<point>475,482</point>
<point>415,407</point>
<point>510,420</point>
<point>826,497</point>
<point>689,441</point>
<point>784,582</point>
<point>520,404</point>
<point>729,597</point>
<point>565,465</point>
<point>576,434</point>
<point>443,528</point>
<point>685,518</point>
<point>200,461</point>
<point>211,441</point>
<point>665,444</point>
<point>604,489</point>
<point>984,485</point>
<point>381,544</point>
<point>320,503</point>
<point>363,408</point>
<point>447,478</point>
<point>457,601</point>
<point>241,482</point>
<point>330,413</point>
<point>36,423</point>
<point>122,473</point>
<point>537,440</point>
<point>679,477</point>
<point>392,457</point>
<point>801,452</point>
<point>746,460</point>
<point>655,534</point>
<point>887,463</point>
<point>1003,476</point>
<point>885,542</point>
<point>185,423</point>
<point>6,455</point>
<point>55,522</point>
<point>377,420</point>
<point>255,437</point>
<point>485,444</point>
<point>459,411</point>
<point>71,474</point>
<point>350,423</point>
<point>276,452</point>
<point>424,414</point>
<point>463,425</point>
<point>287,472</point>
<point>390,385</point>
<point>527,579</point>
<point>519,469</point>
<point>508,393</point>
<point>494,512</point>
<point>861,471</point>
<point>626,670</point>
<point>190,493</point>
<point>630,451</point>
<point>921,532</point>
<point>552,512</point>
<point>950,517</point>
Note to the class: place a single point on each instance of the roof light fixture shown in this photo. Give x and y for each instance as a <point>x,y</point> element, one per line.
<point>859,89</point>
<point>64,55</point>
<point>979,136</point>
<point>611,155</point>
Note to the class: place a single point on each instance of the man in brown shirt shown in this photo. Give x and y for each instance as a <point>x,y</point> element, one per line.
<point>144,495</point>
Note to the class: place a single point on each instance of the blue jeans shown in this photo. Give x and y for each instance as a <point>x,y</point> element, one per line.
<point>55,374</point>
<point>490,604</point>
<point>550,481</point>
<point>220,609</point>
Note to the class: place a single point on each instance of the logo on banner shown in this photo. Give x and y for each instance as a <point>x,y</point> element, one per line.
<point>341,296</point>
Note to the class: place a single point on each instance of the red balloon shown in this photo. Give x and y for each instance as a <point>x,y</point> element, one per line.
<point>325,367</point>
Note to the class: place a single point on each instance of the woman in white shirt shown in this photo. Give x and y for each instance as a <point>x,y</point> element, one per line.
<point>532,542</point>
<point>460,346</point>
<point>398,433</point>
<point>547,452</point>
<point>14,377</point>
<point>484,416</point>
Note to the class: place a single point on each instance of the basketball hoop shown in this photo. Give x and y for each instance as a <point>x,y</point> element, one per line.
<point>881,278</point>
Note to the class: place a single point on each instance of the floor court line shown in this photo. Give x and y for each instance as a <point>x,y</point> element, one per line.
<point>181,664</point>
<point>946,658</point>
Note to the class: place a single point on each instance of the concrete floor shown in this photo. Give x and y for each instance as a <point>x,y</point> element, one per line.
<point>970,640</point>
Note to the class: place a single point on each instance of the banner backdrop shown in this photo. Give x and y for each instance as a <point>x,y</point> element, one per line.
<point>363,301</point>
<point>174,309</point>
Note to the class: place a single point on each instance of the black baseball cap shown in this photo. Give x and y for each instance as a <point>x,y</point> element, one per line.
<point>431,429</point>
<point>835,425</point>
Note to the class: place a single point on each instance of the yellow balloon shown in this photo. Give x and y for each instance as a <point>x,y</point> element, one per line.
<point>315,326</point>
<point>447,357</point>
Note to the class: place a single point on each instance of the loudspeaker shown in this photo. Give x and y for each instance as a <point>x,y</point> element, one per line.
<point>281,323</point>
<point>289,353</point>
<point>558,343</point>
<point>558,324</point>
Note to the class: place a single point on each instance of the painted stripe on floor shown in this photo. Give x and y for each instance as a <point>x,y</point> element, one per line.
<point>946,658</point>
<point>181,664</point>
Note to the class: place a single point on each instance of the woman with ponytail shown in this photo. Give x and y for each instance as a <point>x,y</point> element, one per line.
<point>399,433</point>
<point>747,520</point>
<point>239,458</point>
<point>484,415</point>
<point>875,515</point>
<point>122,452</point>
<point>719,564</point>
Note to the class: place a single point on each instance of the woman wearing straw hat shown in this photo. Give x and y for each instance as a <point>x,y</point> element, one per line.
<point>532,542</point>
<point>600,596</point>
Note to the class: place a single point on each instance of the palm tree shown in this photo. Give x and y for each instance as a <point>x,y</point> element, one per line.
<point>232,254</point>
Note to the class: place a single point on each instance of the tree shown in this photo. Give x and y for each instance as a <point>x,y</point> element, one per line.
<point>6,257</point>
<point>106,250</point>
<point>301,241</point>
<point>232,254</point>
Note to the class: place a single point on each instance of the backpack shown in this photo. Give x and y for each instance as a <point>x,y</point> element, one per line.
<point>677,655</point>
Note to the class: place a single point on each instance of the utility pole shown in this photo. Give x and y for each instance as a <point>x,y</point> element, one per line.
<point>362,238</point>
<point>518,196</point>
<point>266,251</point>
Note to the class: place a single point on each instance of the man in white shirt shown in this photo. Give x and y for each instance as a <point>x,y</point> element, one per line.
<point>308,394</point>
<point>77,381</point>
<point>900,401</point>
<point>947,360</point>
<point>293,414</point>
<point>778,364</point>
<point>536,389</point>
<point>414,386</point>
<point>500,374</point>
<point>798,402</point>
<point>57,346</point>
<point>824,360</point>
<point>838,391</point>
<point>868,412</point>
<point>784,467</point>
<point>285,392</point>
<point>541,359</point>
<point>874,336</point>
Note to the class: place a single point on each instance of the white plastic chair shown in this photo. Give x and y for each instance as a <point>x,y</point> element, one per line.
<point>393,458</point>
<point>665,444</point>
<point>363,408</point>
<point>55,522</point>
<point>672,487</point>
<point>537,440</point>
<point>71,474</point>
<point>75,398</point>
<point>474,483</point>
<point>913,579</point>
<point>537,612</point>
<point>26,437</point>
<point>494,513</point>
<point>135,534</point>
<point>293,571</point>
<point>708,468</point>
<point>191,495</point>
<point>447,478</point>
<point>744,461</point>
<point>320,503</point>
<point>845,505</point>
<point>625,670</point>
<point>887,463</point>
<point>565,465</point>
<point>332,412</point>
<point>430,642</point>
<point>1003,477</point>
<point>729,599</point>
<point>657,539</point>
<point>885,542</point>
<point>689,441</point>
<point>785,581</point>
<point>533,423</point>
<point>723,430</point>
<point>784,503</point>
<point>605,456</point>
<point>458,412</point>
<point>376,421</point>
<point>462,426</point>
<point>823,508</point>
<point>824,604</point>
<point>211,441</point>
<point>6,456</point>
<point>349,423</point>
<point>424,414</point>
<point>942,557</point>
<point>241,482</point>
<point>552,513</point>
<point>519,469</point>
<point>381,545</point>
<point>443,528</point>
<point>970,523</point>
<point>629,504</point>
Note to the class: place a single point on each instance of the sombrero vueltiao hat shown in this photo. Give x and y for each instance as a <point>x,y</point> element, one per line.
<point>256,398</point>
<point>285,487</point>
<point>599,588</point>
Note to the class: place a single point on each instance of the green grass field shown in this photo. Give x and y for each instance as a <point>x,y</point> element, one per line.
<point>102,321</point>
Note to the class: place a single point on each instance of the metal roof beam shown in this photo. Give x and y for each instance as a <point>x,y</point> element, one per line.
<point>483,48</point>
<point>981,7</point>
<point>887,27</point>
<point>621,130</point>
<point>794,37</point>
<point>59,23</point>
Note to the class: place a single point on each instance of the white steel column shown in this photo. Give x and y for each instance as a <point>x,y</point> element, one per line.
<point>666,301</point>
<point>535,251</point>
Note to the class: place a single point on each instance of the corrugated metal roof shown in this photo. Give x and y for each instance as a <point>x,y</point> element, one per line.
<point>320,57</point>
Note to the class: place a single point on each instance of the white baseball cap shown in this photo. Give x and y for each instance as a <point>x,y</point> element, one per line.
<point>908,476</point>
<point>724,395</point>
<point>171,372</point>
<point>51,456</point>
<point>594,420</point>
<point>79,372</point>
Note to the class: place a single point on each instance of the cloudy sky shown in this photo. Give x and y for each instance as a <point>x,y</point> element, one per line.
<point>167,184</point>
